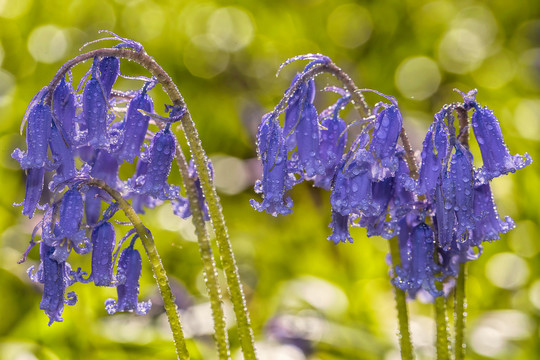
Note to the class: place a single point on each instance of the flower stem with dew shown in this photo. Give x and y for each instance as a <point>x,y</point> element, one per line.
<point>172,91</point>
<point>157,267</point>
<point>404,336</point>
<point>460,313</point>
<point>442,344</point>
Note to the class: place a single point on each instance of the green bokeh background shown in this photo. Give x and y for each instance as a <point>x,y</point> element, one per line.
<point>223,55</point>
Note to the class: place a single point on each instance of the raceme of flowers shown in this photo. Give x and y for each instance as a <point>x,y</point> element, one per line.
<point>440,213</point>
<point>100,129</point>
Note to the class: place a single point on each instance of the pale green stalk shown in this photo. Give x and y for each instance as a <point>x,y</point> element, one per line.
<point>205,249</point>
<point>404,335</point>
<point>460,313</point>
<point>157,267</point>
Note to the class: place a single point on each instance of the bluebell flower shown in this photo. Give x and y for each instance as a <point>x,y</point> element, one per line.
<point>94,113</point>
<point>103,240</point>
<point>141,201</point>
<point>462,176</point>
<point>275,181</point>
<point>109,68</point>
<point>181,205</point>
<point>92,205</point>
<point>56,277</point>
<point>307,136</point>
<point>496,157</point>
<point>488,224</point>
<point>105,167</point>
<point>135,126</point>
<point>161,154</point>
<point>129,269</point>
<point>303,95</point>
<point>388,126</point>
<point>445,200</point>
<point>352,188</point>
<point>340,228</point>
<point>458,253</point>
<point>62,156</point>
<point>67,233</point>
<point>418,269</point>
<point>38,132</point>
<point>434,152</point>
<point>34,188</point>
<point>333,137</point>
<point>64,108</point>
<point>382,193</point>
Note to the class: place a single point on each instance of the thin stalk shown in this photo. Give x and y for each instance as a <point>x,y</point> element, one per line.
<point>460,313</point>
<point>222,238</point>
<point>170,88</point>
<point>209,264</point>
<point>442,344</point>
<point>404,335</point>
<point>157,267</point>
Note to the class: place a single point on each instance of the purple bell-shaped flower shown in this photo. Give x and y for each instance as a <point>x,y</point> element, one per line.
<point>67,233</point>
<point>63,158</point>
<point>38,132</point>
<point>135,126</point>
<point>352,188</point>
<point>55,276</point>
<point>161,155</point>
<point>275,181</point>
<point>129,269</point>
<point>340,228</point>
<point>418,269</point>
<point>488,223</point>
<point>304,94</point>
<point>140,201</point>
<point>64,108</point>
<point>94,114</point>
<point>181,205</point>
<point>333,137</point>
<point>109,68</point>
<point>383,144</point>
<point>103,240</point>
<point>34,187</point>
<point>495,154</point>
<point>434,152</point>
<point>462,176</point>
<point>445,200</point>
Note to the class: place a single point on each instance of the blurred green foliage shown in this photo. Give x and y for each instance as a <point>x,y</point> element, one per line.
<point>223,56</point>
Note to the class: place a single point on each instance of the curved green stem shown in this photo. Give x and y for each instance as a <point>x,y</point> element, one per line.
<point>405,342</point>
<point>205,249</point>
<point>209,264</point>
<point>460,313</point>
<point>222,238</point>
<point>157,267</point>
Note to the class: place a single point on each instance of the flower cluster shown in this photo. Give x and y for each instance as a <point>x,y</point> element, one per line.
<point>77,137</point>
<point>441,213</point>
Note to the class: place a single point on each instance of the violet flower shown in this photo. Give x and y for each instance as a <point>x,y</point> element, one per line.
<point>129,268</point>
<point>275,182</point>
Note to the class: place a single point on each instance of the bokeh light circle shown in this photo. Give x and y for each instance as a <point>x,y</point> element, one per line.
<point>47,44</point>
<point>418,77</point>
<point>349,25</point>
<point>507,270</point>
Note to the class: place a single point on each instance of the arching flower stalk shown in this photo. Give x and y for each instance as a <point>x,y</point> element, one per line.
<point>84,129</point>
